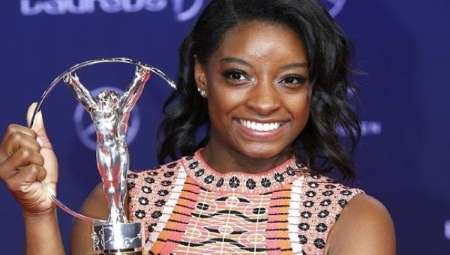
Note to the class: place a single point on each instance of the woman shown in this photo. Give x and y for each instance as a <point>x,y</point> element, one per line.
<point>268,81</point>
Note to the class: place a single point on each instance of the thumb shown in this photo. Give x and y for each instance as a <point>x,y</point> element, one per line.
<point>38,125</point>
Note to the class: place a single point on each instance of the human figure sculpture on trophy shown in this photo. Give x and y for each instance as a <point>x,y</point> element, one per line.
<point>110,113</point>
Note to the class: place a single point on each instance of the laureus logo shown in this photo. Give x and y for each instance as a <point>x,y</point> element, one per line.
<point>85,127</point>
<point>182,9</point>
<point>334,6</point>
<point>447,229</point>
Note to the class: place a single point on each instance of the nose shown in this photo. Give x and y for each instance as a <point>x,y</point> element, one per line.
<point>264,99</point>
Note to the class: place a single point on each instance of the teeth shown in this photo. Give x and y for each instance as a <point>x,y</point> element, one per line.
<point>262,127</point>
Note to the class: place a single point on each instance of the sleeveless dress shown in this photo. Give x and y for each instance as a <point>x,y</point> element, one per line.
<point>187,207</point>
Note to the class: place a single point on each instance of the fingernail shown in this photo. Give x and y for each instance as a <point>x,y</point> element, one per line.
<point>39,141</point>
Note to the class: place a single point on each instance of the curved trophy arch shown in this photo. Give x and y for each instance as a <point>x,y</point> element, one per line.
<point>70,78</point>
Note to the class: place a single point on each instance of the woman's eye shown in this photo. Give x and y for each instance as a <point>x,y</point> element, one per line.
<point>293,81</point>
<point>235,75</point>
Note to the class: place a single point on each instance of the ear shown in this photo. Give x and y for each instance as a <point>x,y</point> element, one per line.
<point>200,76</point>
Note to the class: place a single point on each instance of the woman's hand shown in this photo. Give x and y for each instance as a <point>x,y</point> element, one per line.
<point>28,165</point>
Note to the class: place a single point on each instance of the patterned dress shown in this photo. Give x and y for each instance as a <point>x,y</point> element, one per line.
<point>187,207</point>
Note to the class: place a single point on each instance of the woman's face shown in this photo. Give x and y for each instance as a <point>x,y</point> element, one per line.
<point>258,90</point>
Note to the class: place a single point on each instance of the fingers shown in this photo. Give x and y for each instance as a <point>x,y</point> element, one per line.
<point>26,179</point>
<point>18,139</point>
<point>20,159</point>
<point>17,136</point>
<point>26,176</point>
<point>14,128</point>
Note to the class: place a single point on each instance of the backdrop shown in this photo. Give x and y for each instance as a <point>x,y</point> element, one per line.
<point>401,50</point>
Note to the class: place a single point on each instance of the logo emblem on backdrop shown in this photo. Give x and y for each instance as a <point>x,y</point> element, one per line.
<point>85,128</point>
<point>335,6</point>
<point>447,229</point>
<point>183,9</point>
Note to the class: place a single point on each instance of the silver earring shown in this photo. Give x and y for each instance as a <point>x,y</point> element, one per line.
<point>202,92</point>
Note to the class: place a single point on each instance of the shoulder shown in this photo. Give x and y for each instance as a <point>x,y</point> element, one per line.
<point>322,201</point>
<point>365,227</point>
<point>350,222</point>
<point>325,192</point>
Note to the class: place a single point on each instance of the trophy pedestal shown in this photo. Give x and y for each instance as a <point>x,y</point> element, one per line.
<point>117,239</point>
<point>122,253</point>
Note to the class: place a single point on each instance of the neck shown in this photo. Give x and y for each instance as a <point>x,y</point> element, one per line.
<point>226,160</point>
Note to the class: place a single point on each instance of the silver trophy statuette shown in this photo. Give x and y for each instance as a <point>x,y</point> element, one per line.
<point>110,112</point>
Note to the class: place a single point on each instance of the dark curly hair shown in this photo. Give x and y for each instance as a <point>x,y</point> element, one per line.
<point>327,50</point>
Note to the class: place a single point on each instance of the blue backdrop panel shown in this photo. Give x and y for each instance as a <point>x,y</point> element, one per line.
<point>401,49</point>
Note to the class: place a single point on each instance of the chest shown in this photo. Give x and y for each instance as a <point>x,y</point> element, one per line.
<point>188,219</point>
<point>181,215</point>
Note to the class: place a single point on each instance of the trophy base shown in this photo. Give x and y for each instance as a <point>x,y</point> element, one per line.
<point>117,239</point>
<point>122,253</point>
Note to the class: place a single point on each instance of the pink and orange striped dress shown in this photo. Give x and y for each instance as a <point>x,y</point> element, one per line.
<point>187,207</point>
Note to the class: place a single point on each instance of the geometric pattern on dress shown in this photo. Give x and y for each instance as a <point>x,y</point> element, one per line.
<point>294,216</point>
<point>187,215</point>
<point>277,231</point>
<point>149,192</point>
<point>176,227</point>
<point>232,223</point>
<point>323,199</point>
<point>168,209</point>
<point>232,181</point>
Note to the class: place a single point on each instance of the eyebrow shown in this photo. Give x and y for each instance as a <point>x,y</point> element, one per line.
<point>295,65</point>
<point>235,60</point>
<point>243,62</point>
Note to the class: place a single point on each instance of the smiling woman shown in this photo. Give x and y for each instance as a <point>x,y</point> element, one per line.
<point>291,39</point>
<point>258,96</point>
<point>268,82</point>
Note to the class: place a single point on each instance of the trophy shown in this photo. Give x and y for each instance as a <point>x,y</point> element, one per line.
<point>110,112</point>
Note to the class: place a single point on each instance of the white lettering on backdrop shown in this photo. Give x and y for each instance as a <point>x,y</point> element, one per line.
<point>183,9</point>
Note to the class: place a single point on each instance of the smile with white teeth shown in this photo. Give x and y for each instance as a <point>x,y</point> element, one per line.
<point>261,127</point>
